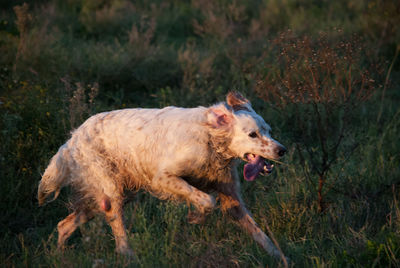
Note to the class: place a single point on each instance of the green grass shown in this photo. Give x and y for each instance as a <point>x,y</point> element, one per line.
<point>62,61</point>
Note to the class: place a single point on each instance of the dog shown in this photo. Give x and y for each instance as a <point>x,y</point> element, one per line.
<point>186,154</point>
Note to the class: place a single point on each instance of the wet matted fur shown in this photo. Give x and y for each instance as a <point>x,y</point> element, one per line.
<point>173,153</point>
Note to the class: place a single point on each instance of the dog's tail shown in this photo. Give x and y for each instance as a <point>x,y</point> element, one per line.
<point>55,176</point>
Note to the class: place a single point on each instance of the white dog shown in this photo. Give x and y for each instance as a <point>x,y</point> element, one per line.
<point>176,153</point>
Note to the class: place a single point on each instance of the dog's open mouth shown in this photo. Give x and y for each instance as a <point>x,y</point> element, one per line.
<point>256,165</point>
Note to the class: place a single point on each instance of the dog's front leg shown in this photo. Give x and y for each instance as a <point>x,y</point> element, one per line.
<point>175,187</point>
<point>232,203</point>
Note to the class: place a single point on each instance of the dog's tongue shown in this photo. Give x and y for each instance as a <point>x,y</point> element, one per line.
<point>253,168</point>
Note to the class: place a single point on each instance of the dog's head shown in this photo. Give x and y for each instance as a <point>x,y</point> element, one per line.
<point>249,134</point>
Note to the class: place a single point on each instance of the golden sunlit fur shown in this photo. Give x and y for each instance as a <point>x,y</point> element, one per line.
<point>175,153</point>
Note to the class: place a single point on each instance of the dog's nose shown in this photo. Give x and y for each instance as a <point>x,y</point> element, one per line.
<point>281,150</point>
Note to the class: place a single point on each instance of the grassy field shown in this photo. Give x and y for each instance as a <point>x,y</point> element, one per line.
<point>324,74</point>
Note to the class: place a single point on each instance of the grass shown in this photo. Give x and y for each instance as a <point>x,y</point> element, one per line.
<point>62,61</point>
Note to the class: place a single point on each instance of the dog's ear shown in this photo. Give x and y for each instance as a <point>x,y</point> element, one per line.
<point>237,101</point>
<point>219,117</point>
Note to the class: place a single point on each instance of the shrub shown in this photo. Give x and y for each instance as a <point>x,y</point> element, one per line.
<point>322,82</point>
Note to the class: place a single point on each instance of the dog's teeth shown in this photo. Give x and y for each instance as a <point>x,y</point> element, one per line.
<point>272,166</point>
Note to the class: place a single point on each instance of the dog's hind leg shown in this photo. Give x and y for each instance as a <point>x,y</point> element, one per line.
<point>113,209</point>
<point>68,225</point>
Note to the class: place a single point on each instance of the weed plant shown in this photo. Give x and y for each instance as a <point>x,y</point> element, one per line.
<point>328,87</point>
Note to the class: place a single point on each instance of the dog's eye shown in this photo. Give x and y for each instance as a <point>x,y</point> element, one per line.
<point>253,134</point>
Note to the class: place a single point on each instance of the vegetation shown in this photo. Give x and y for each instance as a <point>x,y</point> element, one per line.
<point>324,74</point>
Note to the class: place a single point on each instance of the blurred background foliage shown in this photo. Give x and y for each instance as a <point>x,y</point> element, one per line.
<point>324,74</point>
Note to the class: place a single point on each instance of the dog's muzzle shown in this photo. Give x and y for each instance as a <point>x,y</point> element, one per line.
<point>256,165</point>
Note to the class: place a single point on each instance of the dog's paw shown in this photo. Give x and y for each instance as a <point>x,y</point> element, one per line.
<point>205,202</point>
<point>126,251</point>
